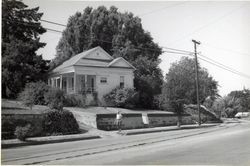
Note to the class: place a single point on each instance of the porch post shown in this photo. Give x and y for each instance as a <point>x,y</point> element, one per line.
<point>52,82</point>
<point>75,82</point>
<point>60,81</point>
<point>85,82</point>
<point>67,84</point>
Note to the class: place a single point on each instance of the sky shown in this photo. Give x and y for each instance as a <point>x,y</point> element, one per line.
<point>222,27</point>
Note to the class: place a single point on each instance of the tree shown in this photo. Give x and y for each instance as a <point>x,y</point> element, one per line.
<point>20,41</point>
<point>180,89</point>
<point>234,102</point>
<point>121,35</point>
<point>227,106</point>
<point>244,98</point>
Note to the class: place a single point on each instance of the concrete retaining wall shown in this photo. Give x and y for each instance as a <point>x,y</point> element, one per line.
<point>129,121</point>
<point>163,119</point>
<point>133,121</point>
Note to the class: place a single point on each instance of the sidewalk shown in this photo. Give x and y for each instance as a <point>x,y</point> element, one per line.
<point>94,134</point>
<point>46,140</point>
<point>168,128</point>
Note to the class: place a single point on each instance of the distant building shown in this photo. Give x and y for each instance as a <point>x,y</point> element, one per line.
<point>92,71</point>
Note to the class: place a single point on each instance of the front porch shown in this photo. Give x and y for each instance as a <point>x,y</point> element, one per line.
<point>73,83</point>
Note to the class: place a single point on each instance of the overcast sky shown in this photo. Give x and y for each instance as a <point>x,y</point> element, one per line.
<point>223,28</point>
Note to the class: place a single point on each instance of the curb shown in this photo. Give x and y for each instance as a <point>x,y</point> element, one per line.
<point>37,142</point>
<point>169,129</point>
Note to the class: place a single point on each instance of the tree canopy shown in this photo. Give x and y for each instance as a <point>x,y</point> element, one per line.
<point>180,87</point>
<point>20,41</point>
<point>121,35</point>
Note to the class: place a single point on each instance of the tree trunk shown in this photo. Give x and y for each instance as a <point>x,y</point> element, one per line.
<point>179,120</point>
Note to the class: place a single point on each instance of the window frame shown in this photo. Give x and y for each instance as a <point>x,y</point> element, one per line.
<point>103,80</point>
<point>122,81</point>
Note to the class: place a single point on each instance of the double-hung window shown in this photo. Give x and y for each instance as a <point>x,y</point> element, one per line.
<point>103,80</point>
<point>122,80</point>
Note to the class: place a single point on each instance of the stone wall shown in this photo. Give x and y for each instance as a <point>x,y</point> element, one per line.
<point>11,121</point>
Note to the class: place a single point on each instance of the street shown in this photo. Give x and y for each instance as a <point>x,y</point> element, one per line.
<point>225,144</point>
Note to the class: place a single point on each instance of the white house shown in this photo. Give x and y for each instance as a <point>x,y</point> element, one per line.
<point>92,71</point>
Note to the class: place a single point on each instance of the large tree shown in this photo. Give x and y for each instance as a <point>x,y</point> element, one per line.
<point>180,88</point>
<point>20,41</point>
<point>121,35</point>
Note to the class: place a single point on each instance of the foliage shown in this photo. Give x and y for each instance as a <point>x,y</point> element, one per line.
<point>122,97</point>
<point>20,41</point>
<point>60,122</point>
<point>180,83</point>
<point>179,88</point>
<point>227,106</point>
<point>55,98</point>
<point>74,100</point>
<point>121,35</point>
<point>28,97</point>
<point>244,98</point>
<point>22,132</point>
<point>33,93</point>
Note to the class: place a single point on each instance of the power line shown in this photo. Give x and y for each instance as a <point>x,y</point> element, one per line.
<point>223,65</point>
<point>232,71</point>
<point>189,52</point>
<point>210,23</point>
<point>164,8</point>
<point>217,64</point>
<point>226,49</point>
<point>51,22</point>
<point>53,30</point>
<point>184,51</point>
<point>172,50</point>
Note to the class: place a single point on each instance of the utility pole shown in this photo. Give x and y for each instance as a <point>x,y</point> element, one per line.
<point>197,79</point>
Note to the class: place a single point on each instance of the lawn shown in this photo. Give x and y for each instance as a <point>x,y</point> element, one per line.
<point>16,107</point>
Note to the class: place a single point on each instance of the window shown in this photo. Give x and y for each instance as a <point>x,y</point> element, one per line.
<point>58,82</point>
<point>122,81</point>
<point>103,80</point>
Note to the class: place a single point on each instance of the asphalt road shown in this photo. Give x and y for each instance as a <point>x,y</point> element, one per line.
<point>226,144</point>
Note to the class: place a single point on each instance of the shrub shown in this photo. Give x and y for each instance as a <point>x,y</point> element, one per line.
<point>22,132</point>
<point>122,97</point>
<point>55,98</point>
<point>60,122</point>
<point>75,100</point>
<point>33,93</point>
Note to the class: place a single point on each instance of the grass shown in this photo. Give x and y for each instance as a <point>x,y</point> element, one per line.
<point>16,107</point>
<point>110,110</point>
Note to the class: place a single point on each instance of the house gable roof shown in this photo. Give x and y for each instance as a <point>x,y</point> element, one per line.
<point>95,57</point>
<point>120,62</point>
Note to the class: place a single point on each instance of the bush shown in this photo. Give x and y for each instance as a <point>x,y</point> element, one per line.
<point>9,126</point>
<point>122,97</point>
<point>33,93</point>
<point>60,122</point>
<point>22,132</point>
<point>55,98</point>
<point>75,100</point>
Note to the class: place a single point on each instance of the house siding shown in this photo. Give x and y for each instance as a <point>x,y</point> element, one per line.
<point>112,75</point>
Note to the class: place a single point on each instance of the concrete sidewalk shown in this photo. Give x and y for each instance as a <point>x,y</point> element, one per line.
<point>46,140</point>
<point>94,134</point>
<point>168,128</point>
